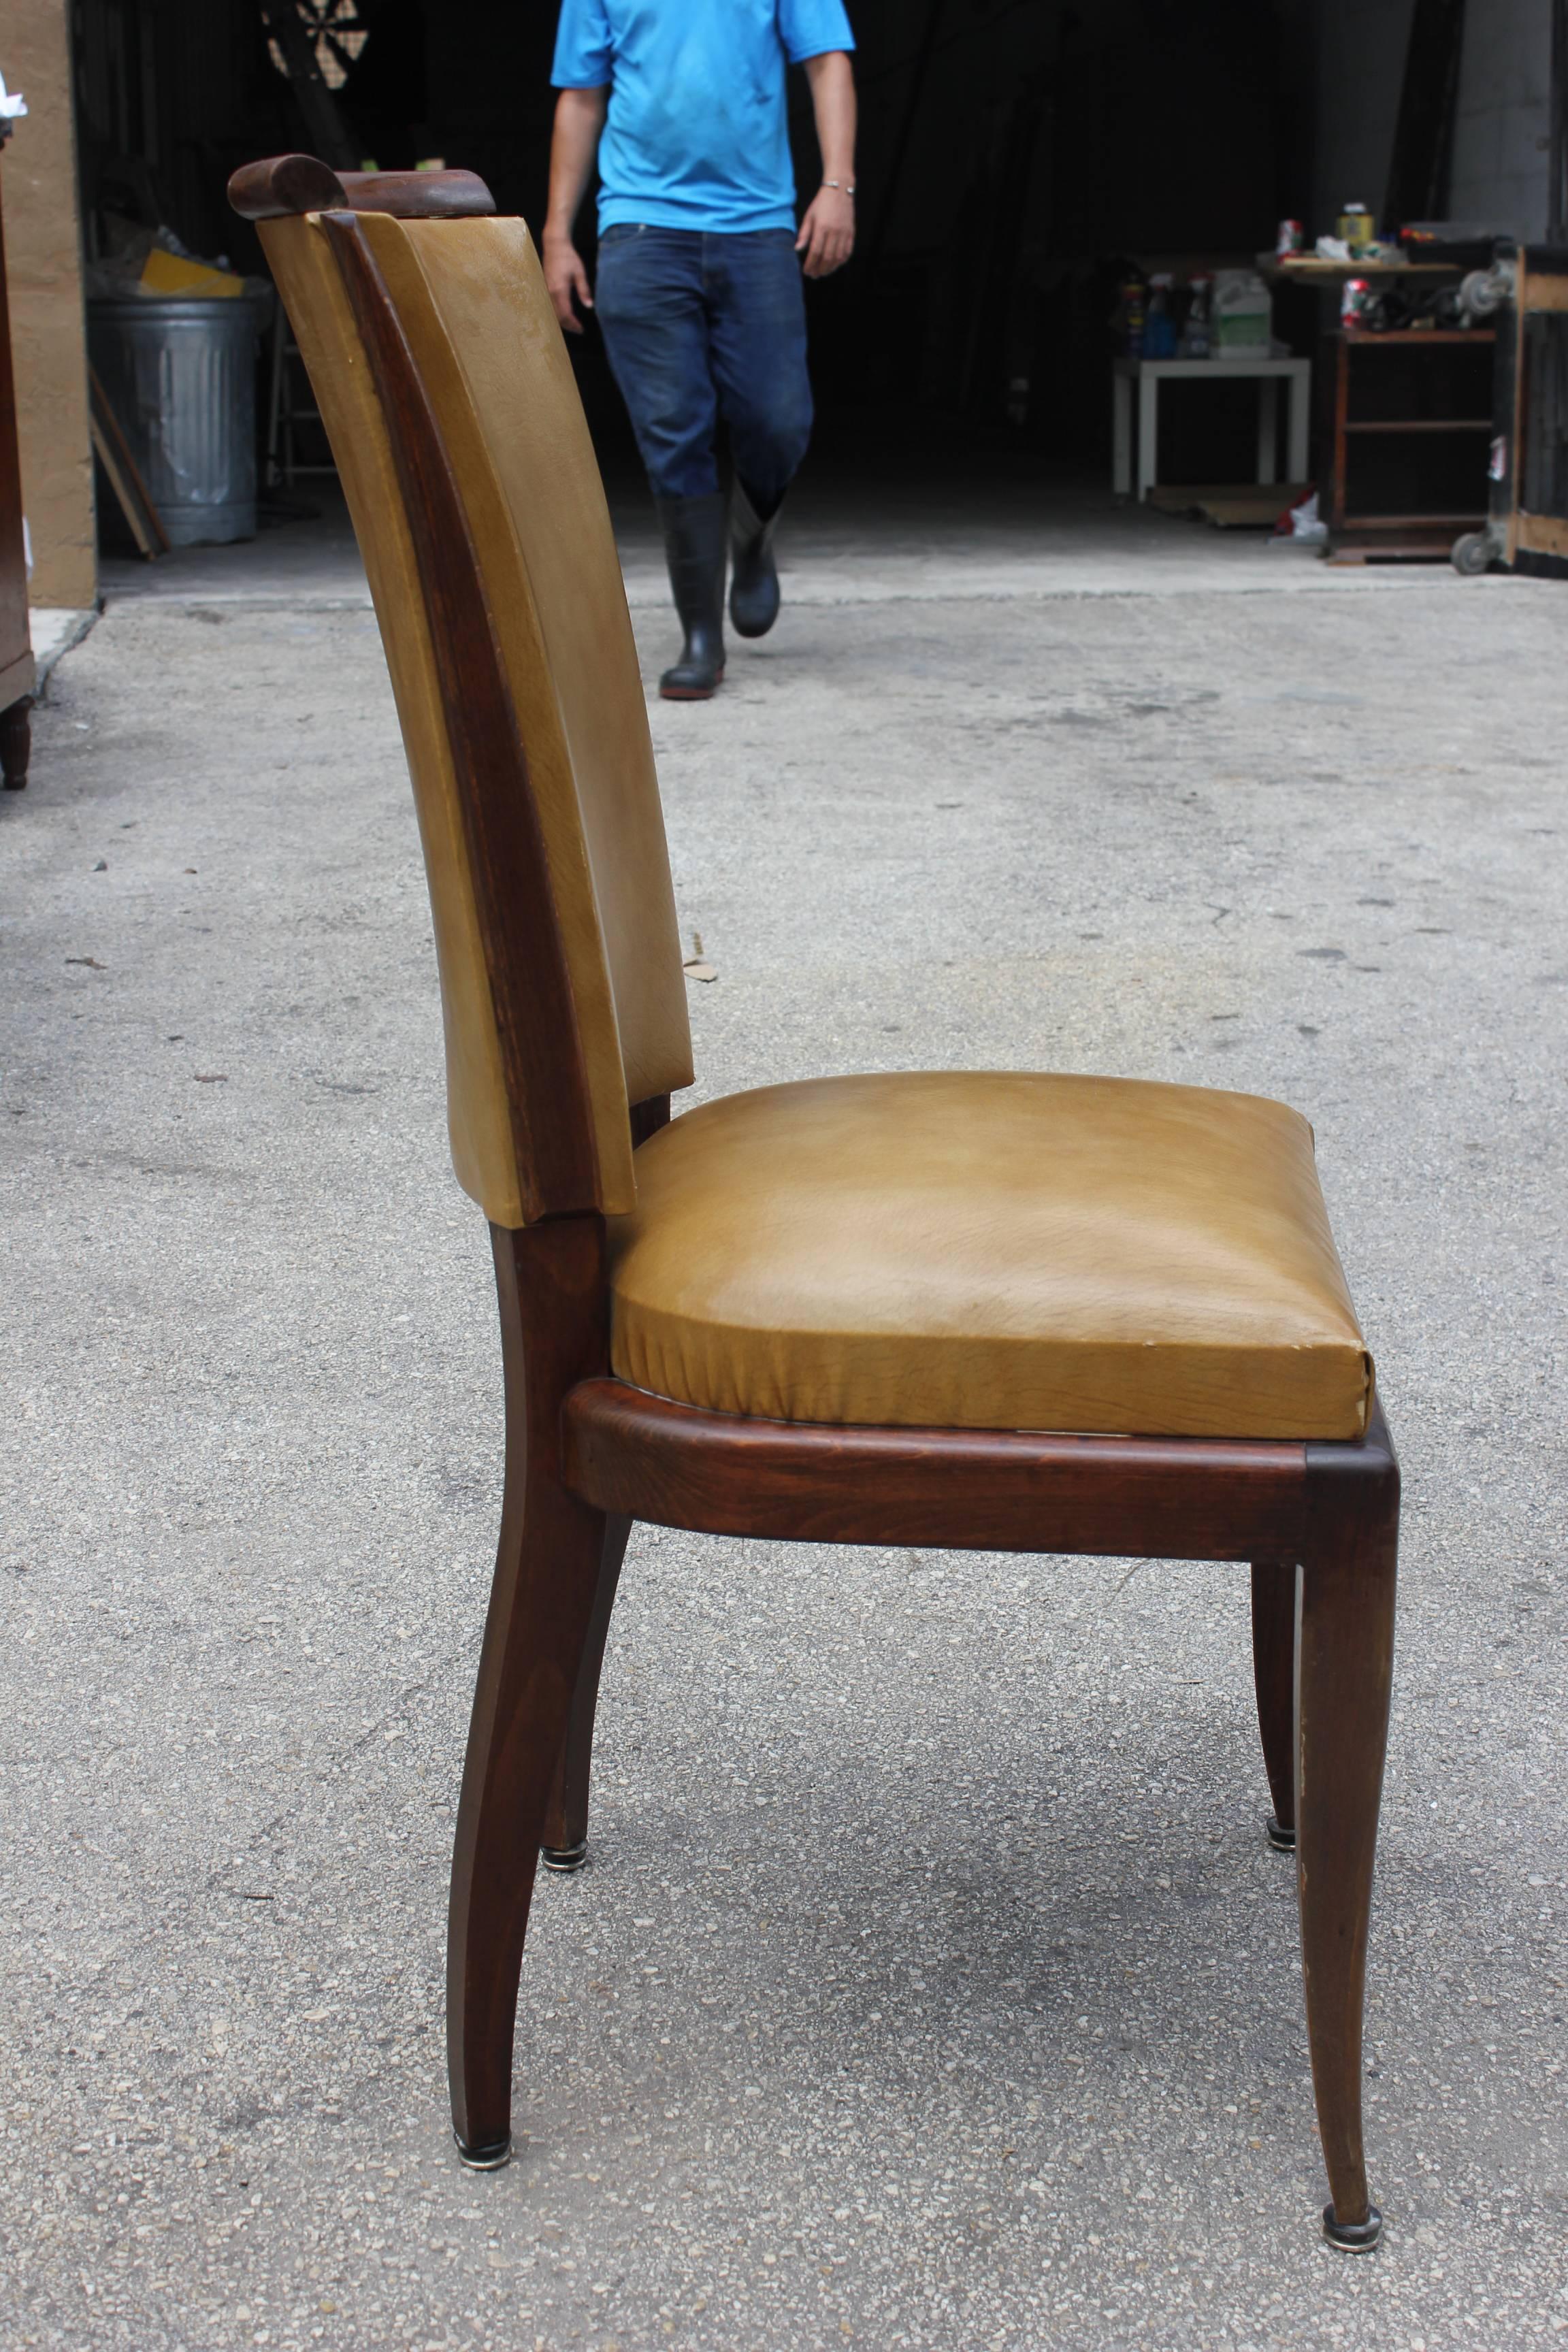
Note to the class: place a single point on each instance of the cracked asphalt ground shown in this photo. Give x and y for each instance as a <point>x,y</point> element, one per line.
<point>932,1984</point>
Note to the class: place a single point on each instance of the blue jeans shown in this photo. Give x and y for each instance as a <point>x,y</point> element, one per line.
<point>700,325</point>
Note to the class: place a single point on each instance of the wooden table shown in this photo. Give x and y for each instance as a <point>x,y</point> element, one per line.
<point>1312,269</point>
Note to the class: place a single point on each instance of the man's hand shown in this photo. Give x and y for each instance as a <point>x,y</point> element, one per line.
<point>579,118</point>
<point>567,280</point>
<point>826,237</point>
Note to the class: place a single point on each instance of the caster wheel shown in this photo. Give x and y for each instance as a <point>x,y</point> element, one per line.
<point>1471,554</point>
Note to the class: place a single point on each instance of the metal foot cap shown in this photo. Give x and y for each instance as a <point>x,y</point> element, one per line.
<point>565,1857</point>
<point>1353,2237</point>
<point>488,2156</point>
<point>1282,1840</point>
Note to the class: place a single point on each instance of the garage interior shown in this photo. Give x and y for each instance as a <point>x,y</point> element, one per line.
<point>1017,157</point>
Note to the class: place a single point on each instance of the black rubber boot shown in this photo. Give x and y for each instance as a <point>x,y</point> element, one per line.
<point>694,536</point>
<point>754,582</point>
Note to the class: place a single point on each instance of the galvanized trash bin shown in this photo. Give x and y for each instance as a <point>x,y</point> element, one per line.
<point>180,375</point>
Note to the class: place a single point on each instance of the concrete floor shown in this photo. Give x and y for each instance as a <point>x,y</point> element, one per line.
<point>910,533</point>
<point>933,1985</point>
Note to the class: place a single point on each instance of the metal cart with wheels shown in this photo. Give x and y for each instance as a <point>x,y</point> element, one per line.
<point>1525,295</point>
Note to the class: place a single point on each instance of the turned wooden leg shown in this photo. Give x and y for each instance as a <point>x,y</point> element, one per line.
<point>16,743</point>
<point>549,1563</point>
<point>1344,1662</point>
<point>1274,1676</point>
<point>566,1841</point>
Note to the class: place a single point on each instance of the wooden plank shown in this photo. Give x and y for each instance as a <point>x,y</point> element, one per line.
<point>1254,501</point>
<point>1314,267</point>
<point>1243,514</point>
<point>1544,534</point>
<point>1179,498</point>
<point>1543,292</point>
<point>124,475</point>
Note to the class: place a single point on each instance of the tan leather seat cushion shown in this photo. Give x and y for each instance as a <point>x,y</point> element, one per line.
<point>990,1250</point>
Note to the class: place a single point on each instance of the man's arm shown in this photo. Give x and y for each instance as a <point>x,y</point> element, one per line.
<point>579,118</point>
<point>826,237</point>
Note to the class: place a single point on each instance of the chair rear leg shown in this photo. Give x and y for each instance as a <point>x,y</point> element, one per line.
<point>1345,1665</point>
<point>548,1573</point>
<point>1274,1677</point>
<point>565,1842</point>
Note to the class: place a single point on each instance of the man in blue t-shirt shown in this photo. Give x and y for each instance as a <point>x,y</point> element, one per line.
<point>699,290</point>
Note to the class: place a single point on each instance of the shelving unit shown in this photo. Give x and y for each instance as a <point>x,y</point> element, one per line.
<point>1413,426</point>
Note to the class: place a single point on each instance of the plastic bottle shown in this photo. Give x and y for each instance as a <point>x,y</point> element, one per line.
<point>1160,331</point>
<point>1197,336</point>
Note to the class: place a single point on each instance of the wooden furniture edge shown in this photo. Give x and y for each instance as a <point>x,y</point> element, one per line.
<point>1370,1460</point>
<point>279,185</point>
<point>418,195</point>
<point>649,1458</point>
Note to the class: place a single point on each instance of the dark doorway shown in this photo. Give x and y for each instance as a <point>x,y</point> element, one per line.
<point>1015,154</point>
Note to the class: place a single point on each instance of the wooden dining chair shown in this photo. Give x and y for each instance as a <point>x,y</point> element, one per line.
<point>1042,1314</point>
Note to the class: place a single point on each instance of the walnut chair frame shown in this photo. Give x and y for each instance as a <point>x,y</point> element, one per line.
<point>587,1453</point>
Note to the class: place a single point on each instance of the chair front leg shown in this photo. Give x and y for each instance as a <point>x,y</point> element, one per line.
<point>549,1562</point>
<point>565,1842</point>
<point>1345,1665</point>
<point>1274,1678</point>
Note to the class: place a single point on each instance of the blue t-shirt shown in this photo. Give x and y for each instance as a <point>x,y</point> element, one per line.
<point>696,136</point>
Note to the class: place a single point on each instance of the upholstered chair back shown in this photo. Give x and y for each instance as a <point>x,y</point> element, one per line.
<point>449,401</point>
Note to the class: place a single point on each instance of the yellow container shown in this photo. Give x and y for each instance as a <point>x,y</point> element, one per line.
<point>1358,229</point>
<point>164,273</point>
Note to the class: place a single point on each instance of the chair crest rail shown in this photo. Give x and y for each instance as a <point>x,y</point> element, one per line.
<point>284,184</point>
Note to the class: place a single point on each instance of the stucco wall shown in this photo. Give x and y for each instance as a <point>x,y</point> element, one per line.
<point>1500,136</point>
<point>42,259</point>
<point>1499,161</point>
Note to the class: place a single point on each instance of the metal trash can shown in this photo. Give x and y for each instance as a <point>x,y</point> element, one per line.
<point>180,375</point>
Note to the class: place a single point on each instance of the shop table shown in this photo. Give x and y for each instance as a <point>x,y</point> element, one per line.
<point>1148,375</point>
